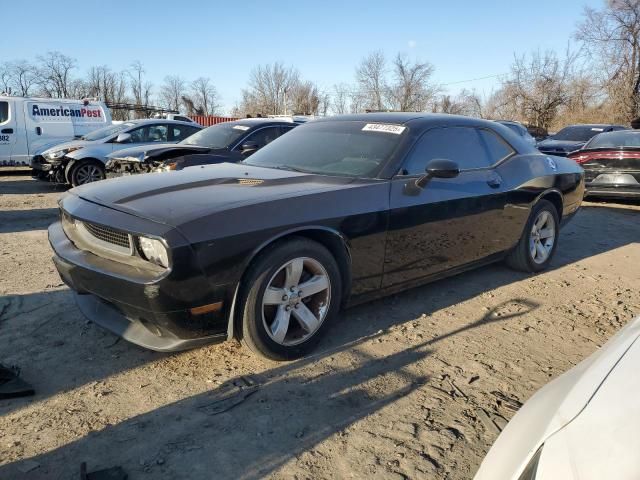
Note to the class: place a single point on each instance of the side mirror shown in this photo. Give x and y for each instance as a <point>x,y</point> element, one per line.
<point>123,138</point>
<point>248,148</point>
<point>438,168</point>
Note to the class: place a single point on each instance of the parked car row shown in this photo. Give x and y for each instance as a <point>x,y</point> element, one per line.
<point>224,142</point>
<point>83,161</point>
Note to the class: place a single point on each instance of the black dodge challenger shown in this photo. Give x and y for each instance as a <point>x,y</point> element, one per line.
<point>339,211</point>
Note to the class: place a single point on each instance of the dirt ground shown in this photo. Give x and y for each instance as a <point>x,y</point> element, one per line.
<point>417,385</point>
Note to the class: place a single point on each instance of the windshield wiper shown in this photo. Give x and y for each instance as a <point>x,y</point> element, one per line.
<point>290,168</point>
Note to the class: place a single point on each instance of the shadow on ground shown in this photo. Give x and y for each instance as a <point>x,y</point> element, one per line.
<point>29,186</point>
<point>277,416</point>
<point>12,221</point>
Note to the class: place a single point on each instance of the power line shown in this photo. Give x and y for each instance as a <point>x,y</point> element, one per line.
<point>474,79</point>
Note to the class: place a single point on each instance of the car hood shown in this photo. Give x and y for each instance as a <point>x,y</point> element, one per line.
<point>156,149</point>
<point>180,197</point>
<point>614,413</point>
<point>71,144</point>
<point>553,407</point>
<point>563,145</point>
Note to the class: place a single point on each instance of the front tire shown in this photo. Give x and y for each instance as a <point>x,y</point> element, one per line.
<point>86,171</point>
<point>289,296</point>
<point>539,241</point>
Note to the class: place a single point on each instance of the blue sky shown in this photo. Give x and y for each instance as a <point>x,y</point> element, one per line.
<point>325,40</point>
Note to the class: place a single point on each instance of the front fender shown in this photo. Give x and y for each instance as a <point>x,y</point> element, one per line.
<point>306,231</point>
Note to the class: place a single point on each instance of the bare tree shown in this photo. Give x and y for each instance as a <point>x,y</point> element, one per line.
<point>205,96</point>
<point>140,89</point>
<point>269,87</point>
<point>106,84</point>
<point>411,90</point>
<point>304,98</point>
<point>55,74</point>
<point>536,88</point>
<point>21,77</point>
<point>172,91</point>
<point>612,37</point>
<point>340,102</point>
<point>5,79</point>
<point>371,80</point>
<point>448,104</point>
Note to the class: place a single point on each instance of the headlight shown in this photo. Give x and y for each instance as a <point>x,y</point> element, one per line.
<point>60,153</point>
<point>154,251</point>
<point>529,472</point>
<point>166,167</point>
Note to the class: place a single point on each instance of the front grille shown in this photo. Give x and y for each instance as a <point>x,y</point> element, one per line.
<point>95,238</point>
<point>108,235</point>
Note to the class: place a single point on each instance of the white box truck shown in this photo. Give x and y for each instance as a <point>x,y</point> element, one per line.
<point>29,126</point>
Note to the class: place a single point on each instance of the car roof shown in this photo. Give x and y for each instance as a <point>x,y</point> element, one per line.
<point>252,122</point>
<point>418,119</point>
<point>509,122</point>
<point>620,132</point>
<point>144,121</point>
<point>595,125</point>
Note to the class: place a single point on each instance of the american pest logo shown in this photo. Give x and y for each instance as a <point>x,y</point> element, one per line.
<point>64,111</point>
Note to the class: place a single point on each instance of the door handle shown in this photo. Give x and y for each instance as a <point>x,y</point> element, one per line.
<point>38,131</point>
<point>7,130</point>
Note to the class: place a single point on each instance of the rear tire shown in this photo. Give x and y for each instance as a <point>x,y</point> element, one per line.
<point>539,241</point>
<point>290,294</point>
<point>86,171</point>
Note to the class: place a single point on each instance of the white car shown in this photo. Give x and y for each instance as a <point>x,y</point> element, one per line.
<point>583,425</point>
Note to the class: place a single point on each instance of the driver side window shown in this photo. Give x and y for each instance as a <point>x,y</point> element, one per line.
<point>149,133</point>
<point>264,136</point>
<point>459,144</point>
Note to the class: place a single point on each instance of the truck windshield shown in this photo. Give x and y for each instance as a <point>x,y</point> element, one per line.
<point>106,131</point>
<point>342,148</point>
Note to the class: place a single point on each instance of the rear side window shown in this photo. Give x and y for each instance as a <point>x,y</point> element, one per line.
<point>463,145</point>
<point>497,148</point>
<point>4,112</point>
<point>181,118</point>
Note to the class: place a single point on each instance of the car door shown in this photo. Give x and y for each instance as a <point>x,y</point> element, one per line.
<point>451,221</point>
<point>8,131</point>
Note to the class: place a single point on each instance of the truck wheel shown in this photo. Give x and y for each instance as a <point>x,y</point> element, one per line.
<point>86,171</point>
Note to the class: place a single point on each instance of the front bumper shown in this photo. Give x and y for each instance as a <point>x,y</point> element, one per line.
<point>150,312</point>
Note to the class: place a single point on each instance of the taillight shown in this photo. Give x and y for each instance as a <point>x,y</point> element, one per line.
<point>581,158</point>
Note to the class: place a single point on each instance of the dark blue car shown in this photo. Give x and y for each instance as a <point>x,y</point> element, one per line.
<point>573,138</point>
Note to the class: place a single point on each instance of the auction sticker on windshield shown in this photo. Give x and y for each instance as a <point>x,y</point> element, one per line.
<point>241,127</point>
<point>383,127</point>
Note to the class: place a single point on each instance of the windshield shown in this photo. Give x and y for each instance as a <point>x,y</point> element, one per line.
<point>106,131</point>
<point>222,135</point>
<point>615,140</point>
<point>577,133</point>
<point>344,148</point>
